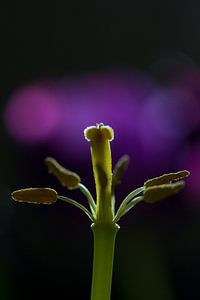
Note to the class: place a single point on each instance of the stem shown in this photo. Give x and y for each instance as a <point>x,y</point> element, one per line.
<point>104,245</point>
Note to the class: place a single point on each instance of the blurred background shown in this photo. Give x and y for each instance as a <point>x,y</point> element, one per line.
<point>132,65</point>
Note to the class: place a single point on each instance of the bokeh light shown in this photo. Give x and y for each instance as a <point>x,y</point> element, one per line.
<point>32,114</point>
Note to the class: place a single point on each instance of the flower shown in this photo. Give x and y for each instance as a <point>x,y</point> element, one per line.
<point>102,211</point>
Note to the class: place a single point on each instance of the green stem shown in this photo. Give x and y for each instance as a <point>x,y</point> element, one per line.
<point>104,245</point>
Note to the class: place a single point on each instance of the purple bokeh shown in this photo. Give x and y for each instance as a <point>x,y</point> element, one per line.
<point>32,114</point>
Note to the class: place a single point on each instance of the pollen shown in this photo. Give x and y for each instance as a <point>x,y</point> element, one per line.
<point>35,195</point>
<point>66,177</point>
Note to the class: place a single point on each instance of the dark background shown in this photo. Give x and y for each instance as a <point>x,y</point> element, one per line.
<point>47,251</point>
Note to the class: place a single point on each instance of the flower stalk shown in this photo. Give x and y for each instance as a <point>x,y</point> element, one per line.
<point>102,211</point>
<point>104,246</point>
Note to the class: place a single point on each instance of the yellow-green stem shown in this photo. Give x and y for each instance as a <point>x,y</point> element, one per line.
<point>104,246</point>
